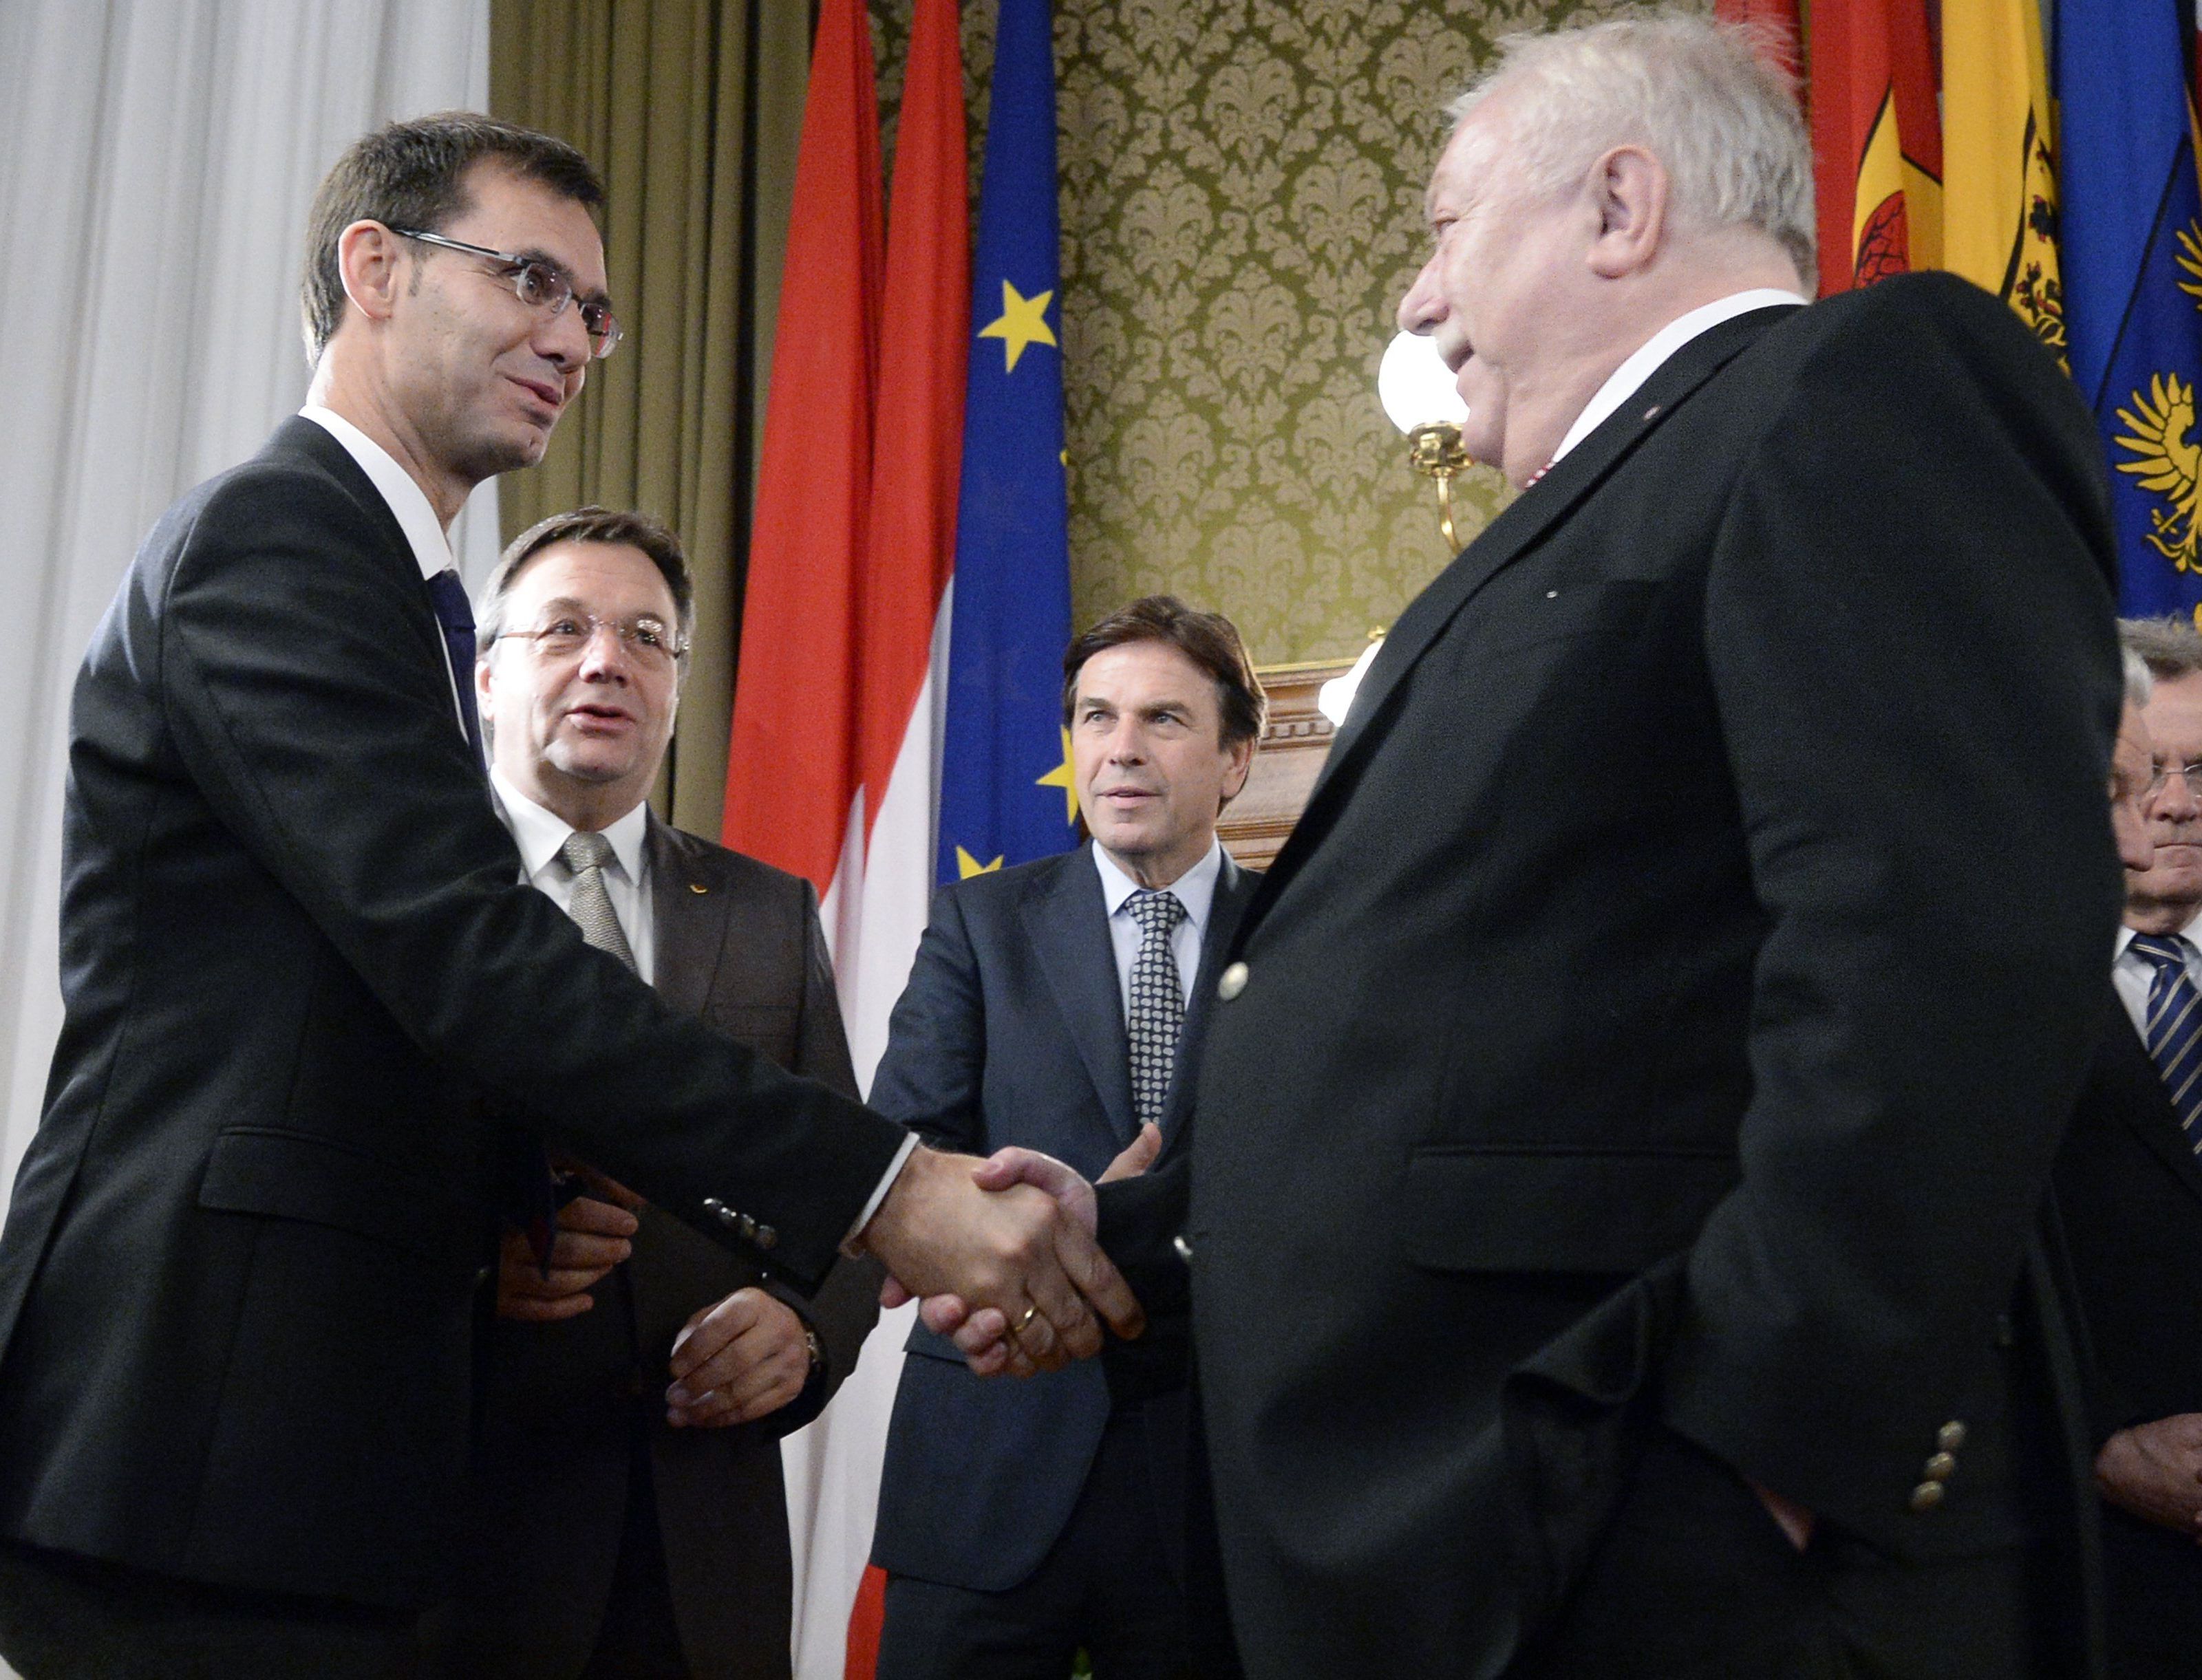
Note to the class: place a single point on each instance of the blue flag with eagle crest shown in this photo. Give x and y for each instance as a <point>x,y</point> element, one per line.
<point>2132,248</point>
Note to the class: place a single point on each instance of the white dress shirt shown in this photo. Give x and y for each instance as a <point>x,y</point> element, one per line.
<point>408,504</point>
<point>540,834</point>
<point>2131,973</point>
<point>1626,380</point>
<point>1195,889</point>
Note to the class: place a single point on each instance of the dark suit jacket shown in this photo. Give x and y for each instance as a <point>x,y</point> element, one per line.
<point>237,1274</point>
<point>738,943</point>
<point>1011,1031</point>
<point>2128,1191</point>
<point>1672,996</point>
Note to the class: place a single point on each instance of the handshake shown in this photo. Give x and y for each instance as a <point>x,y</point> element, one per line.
<point>1002,1254</point>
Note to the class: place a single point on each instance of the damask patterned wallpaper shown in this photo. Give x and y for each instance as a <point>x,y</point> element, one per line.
<point>1242,187</point>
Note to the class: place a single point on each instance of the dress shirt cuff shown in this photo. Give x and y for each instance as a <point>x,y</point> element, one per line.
<point>886,1183</point>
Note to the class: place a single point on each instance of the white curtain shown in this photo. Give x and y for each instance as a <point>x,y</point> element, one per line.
<point>156,160</point>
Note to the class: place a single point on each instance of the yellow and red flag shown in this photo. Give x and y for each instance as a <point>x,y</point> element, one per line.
<point>2000,170</point>
<point>1877,141</point>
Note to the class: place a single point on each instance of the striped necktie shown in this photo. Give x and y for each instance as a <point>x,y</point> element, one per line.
<point>2174,1026</point>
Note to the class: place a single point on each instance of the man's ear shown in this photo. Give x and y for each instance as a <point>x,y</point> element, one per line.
<point>1241,754</point>
<point>1629,187</point>
<point>367,263</point>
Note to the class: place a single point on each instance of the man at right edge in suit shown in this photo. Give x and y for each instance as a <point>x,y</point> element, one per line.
<point>1633,1087</point>
<point>316,1022</point>
<point>2128,1186</point>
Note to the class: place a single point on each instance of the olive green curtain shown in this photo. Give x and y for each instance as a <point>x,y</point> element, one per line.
<point>691,111</point>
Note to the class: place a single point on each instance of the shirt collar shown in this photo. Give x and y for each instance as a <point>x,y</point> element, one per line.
<point>2192,933</point>
<point>1628,378</point>
<point>1195,889</point>
<point>424,532</point>
<point>540,834</point>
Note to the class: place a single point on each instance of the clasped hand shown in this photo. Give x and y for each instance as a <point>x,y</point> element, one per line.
<point>735,1360</point>
<point>1002,1254</point>
<point>1025,1310</point>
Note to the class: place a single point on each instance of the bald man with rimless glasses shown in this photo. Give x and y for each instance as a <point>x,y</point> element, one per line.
<point>317,1025</point>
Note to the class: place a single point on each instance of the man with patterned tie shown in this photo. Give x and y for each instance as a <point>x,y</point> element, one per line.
<point>618,1529</point>
<point>1048,1006</point>
<point>303,978</point>
<point>2128,1185</point>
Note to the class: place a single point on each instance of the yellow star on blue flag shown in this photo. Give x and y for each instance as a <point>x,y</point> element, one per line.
<point>1062,776</point>
<point>1023,321</point>
<point>966,866</point>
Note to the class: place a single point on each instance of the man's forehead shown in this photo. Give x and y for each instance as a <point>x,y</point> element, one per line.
<point>1471,152</point>
<point>510,212</point>
<point>1154,670</point>
<point>578,572</point>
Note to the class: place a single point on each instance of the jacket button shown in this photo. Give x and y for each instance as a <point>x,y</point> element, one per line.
<point>1927,1496</point>
<point>713,1205</point>
<point>727,1216</point>
<point>1183,1249</point>
<point>1950,1436</point>
<point>767,1236</point>
<point>1232,982</point>
<point>1940,1468</point>
<point>747,1227</point>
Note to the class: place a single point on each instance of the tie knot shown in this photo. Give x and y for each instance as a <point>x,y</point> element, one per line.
<point>2165,950</point>
<point>585,850</point>
<point>1160,908</point>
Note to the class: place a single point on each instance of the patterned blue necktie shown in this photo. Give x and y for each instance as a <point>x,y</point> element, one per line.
<point>2175,1026</point>
<point>448,595</point>
<point>1157,1013</point>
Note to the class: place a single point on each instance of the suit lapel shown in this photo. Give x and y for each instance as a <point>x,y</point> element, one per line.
<point>1535,511</point>
<point>2137,1089</point>
<point>1526,519</point>
<point>1234,891</point>
<point>1068,924</point>
<point>691,921</point>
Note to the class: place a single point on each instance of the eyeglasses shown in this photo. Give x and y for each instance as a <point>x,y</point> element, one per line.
<point>538,283</point>
<point>2160,774</point>
<point>651,643</point>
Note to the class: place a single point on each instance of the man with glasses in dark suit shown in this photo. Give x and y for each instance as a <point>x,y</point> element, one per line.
<point>316,1024</point>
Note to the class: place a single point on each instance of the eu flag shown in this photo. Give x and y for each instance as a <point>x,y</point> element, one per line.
<point>1005,787</point>
<point>2132,235</point>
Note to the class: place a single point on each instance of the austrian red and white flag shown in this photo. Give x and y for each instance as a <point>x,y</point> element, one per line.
<point>832,767</point>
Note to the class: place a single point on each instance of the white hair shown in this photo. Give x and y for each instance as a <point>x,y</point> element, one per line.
<point>2138,684</point>
<point>1704,99</point>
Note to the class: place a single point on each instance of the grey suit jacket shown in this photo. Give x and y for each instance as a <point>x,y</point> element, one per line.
<point>563,1404</point>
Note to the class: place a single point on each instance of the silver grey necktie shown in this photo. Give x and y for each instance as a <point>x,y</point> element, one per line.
<point>1157,1013</point>
<point>584,855</point>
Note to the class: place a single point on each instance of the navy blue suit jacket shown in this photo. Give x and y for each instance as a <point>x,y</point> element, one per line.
<point>1011,1031</point>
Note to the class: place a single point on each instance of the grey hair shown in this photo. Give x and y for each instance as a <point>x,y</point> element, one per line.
<point>2171,647</point>
<point>2138,684</point>
<point>1704,98</point>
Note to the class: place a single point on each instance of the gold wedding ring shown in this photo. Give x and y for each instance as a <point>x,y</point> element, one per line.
<point>1031,1313</point>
